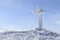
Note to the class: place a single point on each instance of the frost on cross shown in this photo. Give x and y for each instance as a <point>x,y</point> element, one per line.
<point>40,12</point>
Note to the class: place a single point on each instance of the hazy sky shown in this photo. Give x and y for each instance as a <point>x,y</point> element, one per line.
<point>17,15</point>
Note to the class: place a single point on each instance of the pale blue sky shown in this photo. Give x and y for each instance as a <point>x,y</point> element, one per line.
<point>17,15</point>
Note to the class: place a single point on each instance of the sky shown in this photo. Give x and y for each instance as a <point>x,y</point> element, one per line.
<point>17,15</point>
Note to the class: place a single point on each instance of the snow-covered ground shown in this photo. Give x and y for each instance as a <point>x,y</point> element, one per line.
<point>29,35</point>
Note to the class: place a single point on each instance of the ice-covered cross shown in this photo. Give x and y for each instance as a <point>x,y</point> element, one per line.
<point>40,13</point>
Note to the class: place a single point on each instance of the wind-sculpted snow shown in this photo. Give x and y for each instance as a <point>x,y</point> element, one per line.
<point>30,35</point>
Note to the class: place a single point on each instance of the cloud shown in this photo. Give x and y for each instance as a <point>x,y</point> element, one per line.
<point>1,19</point>
<point>58,22</point>
<point>10,28</point>
<point>2,30</point>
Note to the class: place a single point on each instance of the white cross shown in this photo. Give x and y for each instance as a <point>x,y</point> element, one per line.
<point>39,12</point>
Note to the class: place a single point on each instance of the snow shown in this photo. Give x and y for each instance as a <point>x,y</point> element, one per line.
<point>30,35</point>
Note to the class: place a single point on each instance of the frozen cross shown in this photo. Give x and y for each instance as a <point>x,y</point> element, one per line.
<point>40,13</point>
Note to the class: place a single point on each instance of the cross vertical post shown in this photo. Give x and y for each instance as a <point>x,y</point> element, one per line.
<point>40,13</point>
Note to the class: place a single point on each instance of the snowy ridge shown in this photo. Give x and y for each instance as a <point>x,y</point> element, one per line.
<point>30,35</point>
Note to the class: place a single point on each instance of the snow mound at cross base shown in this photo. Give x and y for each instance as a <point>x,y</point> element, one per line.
<point>30,35</point>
